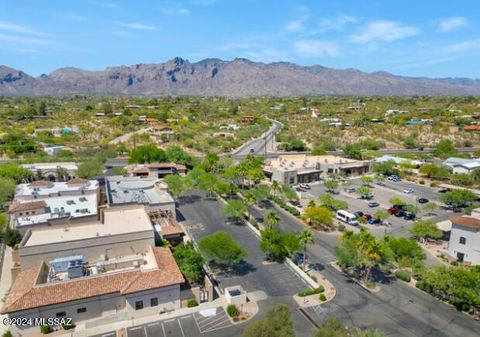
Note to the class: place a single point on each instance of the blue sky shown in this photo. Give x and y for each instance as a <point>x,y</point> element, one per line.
<point>417,38</point>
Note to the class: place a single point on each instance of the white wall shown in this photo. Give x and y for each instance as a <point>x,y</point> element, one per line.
<point>168,299</point>
<point>471,248</point>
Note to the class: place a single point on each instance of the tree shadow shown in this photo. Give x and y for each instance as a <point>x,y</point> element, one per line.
<point>239,269</point>
<point>188,199</point>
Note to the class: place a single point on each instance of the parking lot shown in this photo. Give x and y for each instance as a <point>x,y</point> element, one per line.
<point>209,322</point>
<point>382,195</point>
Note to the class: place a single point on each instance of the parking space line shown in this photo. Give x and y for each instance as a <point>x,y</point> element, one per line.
<point>108,334</point>
<point>219,328</point>
<point>135,328</point>
<point>163,329</point>
<point>145,330</point>
<point>153,324</point>
<point>169,320</point>
<point>213,321</point>
<point>218,325</point>
<point>181,329</point>
<point>184,317</point>
<point>195,319</point>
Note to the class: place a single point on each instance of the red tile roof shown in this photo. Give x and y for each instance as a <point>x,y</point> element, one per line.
<point>26,206</point>
<point>466,221</point>
<point>26,294</point>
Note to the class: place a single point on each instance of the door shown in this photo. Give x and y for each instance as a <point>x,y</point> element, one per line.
<point>460,257</point>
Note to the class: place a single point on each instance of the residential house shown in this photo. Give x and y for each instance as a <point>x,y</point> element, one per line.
<point>43,204</point>
<point>54,149</point>
<point>50,171</point>
<point>464,244</point>
<point>156,170</point>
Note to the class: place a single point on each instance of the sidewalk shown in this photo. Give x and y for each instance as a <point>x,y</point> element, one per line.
<point>82,331</point>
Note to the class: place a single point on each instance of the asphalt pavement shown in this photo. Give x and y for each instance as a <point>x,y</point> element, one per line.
<point>397,309</point>
<point>203,216</point>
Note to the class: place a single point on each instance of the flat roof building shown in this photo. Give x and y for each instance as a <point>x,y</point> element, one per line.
<point>156,170</point>
<point>50,171</point>
<point>461,165</point>
<point>120,231</point>
<point>295,169</point>
<point>122,190</point>
<point>45,203</point>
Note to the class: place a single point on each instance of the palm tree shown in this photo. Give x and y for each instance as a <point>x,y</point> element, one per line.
<point>306,238</point>
<point>275,187</point>
<point>271,219</point>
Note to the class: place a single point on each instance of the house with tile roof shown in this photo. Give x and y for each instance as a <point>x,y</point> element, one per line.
<point>108,289</point>
<point>464,244</point>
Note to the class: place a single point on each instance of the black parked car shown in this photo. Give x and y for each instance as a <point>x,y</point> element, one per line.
<point>423,200</point>
<point>358,214</point>
<point>409,216</point>
<point>445,190</point>
<point>399,213</point>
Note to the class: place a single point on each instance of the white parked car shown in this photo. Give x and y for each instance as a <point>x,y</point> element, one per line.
<point>408,190</point>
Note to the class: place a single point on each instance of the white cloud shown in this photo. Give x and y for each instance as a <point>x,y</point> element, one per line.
<point>296,26</point>
<point>109,4</point>
<point>176,11</point>
<point>140,26</point>
<point>337,23</point>
<point>383,30</point>
<point>315,48</point>
<point>452,23</point>
<point>14,28</point>
<point>17,39</point>
<point>463,46</point>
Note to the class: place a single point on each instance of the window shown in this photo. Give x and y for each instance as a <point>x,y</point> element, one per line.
<point>154,302</point>
<point>463,240</point>
<point>81,310</point>
<point>61,314</point>
<point>138,305</point>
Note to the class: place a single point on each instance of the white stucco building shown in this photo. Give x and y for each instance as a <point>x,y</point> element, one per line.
<point>462,165</point>
<point>464,245</point>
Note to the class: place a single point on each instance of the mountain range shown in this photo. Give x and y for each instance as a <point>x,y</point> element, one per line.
<point>237,78</point>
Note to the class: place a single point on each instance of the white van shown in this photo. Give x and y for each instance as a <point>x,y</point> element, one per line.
<point>347,217</point>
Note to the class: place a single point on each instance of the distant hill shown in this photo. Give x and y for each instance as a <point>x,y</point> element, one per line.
<point>237,78</point>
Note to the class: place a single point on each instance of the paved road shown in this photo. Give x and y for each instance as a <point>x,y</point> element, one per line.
<point>397,310</point>
<point>258,144</point>
<point>202,217</point>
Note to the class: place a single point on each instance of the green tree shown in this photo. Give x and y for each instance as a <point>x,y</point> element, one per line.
<point>277,323</point>
<point>381,214</point>
<point>275,187</point>
<point>362,252</point>
<point>410,143</point>
<point>332,203</point>
<point>89,169</point>
<point>176,184</point>
<point>353,151</point>
<point>306,239</point>
<point>7,189</point>
<point>430,207</point>
<point>319,217</point>
<point>331,327</point>
<point>11,237</point>
<point>190,262</point>
<point>444,149</point>
<point>261,193</point>
<point>331,185</point>
<point>462,179</point>
<point>147,154</point>
<point>423,229</point>
<point>175,154</point>
<point>271,219</point>
<point>207,182</point>
<point>458,197</point>
<point>366,180</point>
<point>272,242</point>
<point>406,252</point>
<point>397,201</point>
<point>363,190</point>
<point>221,248</point>
<point>14,172</point>
<point>235,209</point>
<point>385,168</point>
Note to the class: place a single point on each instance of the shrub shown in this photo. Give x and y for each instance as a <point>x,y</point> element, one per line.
<point>308,292</point>
<point>422,285</point>
<point>313,278</point>
<point>403,275</point>
<point>422,182</point>
<point>433,184</point>
<point>232,310</point>
<point>7,333</point>
<point>322,297</point>
<point>192,303</point>
<point>68,326</point>
<point>341,227</point>
<point>45,329</point>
